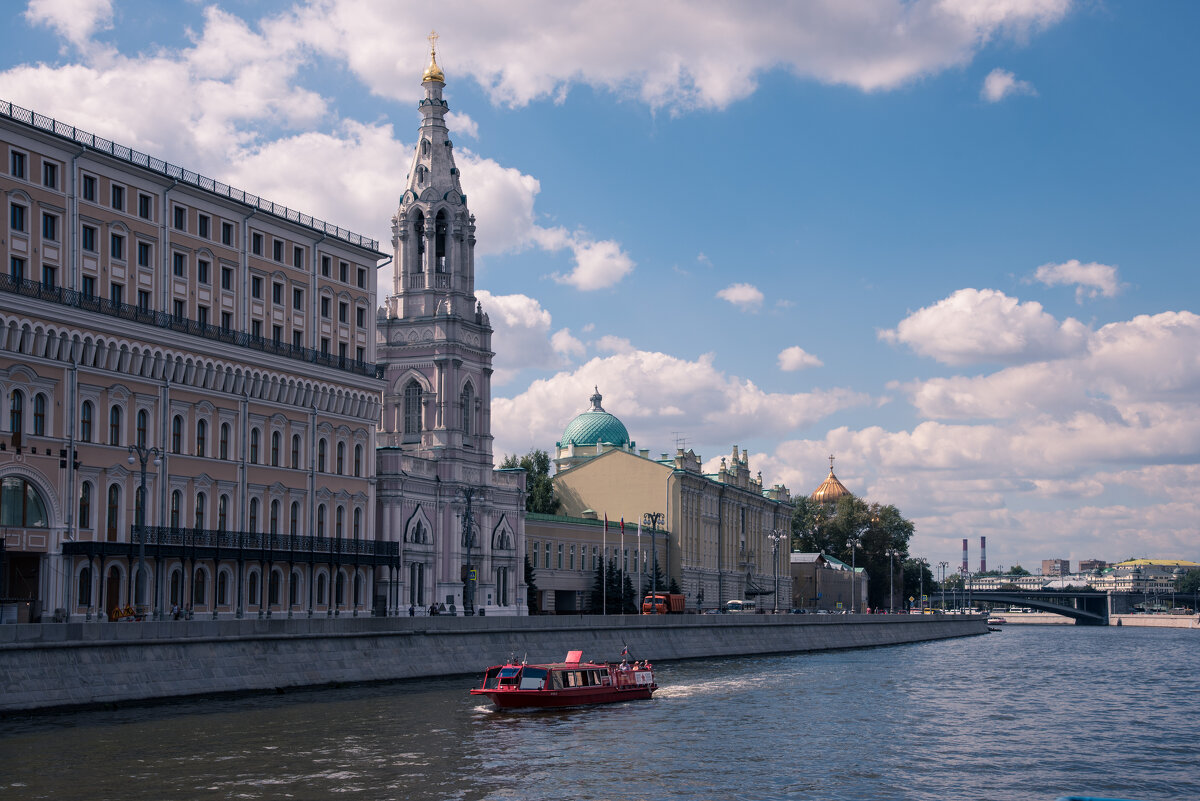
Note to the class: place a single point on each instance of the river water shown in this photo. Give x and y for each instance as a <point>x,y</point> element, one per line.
<point>1032,712</point>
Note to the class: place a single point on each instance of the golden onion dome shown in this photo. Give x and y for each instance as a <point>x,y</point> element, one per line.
<point>433,72</point>
<point>831,489</point>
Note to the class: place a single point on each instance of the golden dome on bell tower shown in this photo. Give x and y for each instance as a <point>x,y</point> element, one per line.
<point>433,72</point>
<point>831,489</point>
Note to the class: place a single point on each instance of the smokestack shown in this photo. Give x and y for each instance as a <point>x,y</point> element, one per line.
<point>965,566</point>
<point>983,554</point>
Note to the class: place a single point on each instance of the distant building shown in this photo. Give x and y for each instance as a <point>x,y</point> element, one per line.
<point>1056,567</point>
<point>820,581</point>
<point>1091,565</point>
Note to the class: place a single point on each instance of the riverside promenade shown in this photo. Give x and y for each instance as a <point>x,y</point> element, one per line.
<point>77,664</point>
<point>1149,621</point>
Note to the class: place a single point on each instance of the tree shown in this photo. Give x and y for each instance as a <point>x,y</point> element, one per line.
<point>819,527</point>
<point>1017,570</point>
<point>606,590</point>
<point>539,487</point>
<point>917,576</point>
<point>531,589</point>
<point>1189,582</point>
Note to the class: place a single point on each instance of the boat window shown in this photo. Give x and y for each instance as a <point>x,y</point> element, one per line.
<point>532,678</point>
<point>508,676</point>
<point>491,679</point>
<point>556,680</point>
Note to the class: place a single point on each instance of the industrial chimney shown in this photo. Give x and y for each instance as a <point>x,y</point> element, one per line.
<point>983,554</point>
<point>965,566</point>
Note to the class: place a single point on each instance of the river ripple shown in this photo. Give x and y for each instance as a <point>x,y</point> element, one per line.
<point>1028,713</point>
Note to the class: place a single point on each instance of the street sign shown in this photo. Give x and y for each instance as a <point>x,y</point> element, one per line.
<point>911,599</point>
<point>839,604</point>
<point>473,575</point>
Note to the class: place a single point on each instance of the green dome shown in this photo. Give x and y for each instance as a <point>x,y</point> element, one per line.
<point>595,426</point>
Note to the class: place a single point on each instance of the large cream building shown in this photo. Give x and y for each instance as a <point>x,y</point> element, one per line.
<point>148,311</point>
<point>726,535</point>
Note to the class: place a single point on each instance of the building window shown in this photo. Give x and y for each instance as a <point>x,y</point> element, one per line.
<point>277,334</point>
<point>298,258</point>
<point>49,175</point>
<point>226,233</point>
<point>322,447</point>
<point>294,519</point>
<point>325,262</point>
<point>118,197</point>
<point>339,527</point>
<point>179,265</point>
<point>180,218</point>
<point>16,413</point>
<point>16,217</point>
<point>222,513</point>
<point>325,345</point>
<point>143,254</point>
<point>256,287</point>
<point>412,408</point>
<point>114,426</point>
<point>116,247</point>
<point>341,458</point>
<point>275,449</point>
<point>114,512</point>
<point>276,293</point>
<point>89,238</point>
<point>143,300</point>
<point>295,452</point>
<point>179,309</point>
<point>256,329</point>
<point>256,244</point>
<point>202,271</point>
<point>468,410</point>
<point>89,188</point>
<point>16,268</point>
<point>362,278</point>
<point>325,308</point>
<point>143,423</point>
<point>49,276</point>
<point>145,206</point>
<point>177,434</point>
<point>273,520</point>
<point>201,503</point>
<point>88,287</point>
<point>203,222</point>
<point>223,445</point>
<point>17,164</point>
<point>116,294</point>
<point>254,446</point>
<point>176,503</point>
<point>227,321</point>
<point>86,413</point>
<point>357,531</point>
<point>85,505</point>
<point>360,315</point>
<point>254,515</point>
<point>201,437</point>
<point>343,312</point>
<point>226,278</point>
<point>298,299</point>
<point>277,250</point>
<point>321,520</point>
<point>39,415</point>
<point>358,452</point>
<point>50,227</point>
<point>296,340</point>
<point>343,271</point>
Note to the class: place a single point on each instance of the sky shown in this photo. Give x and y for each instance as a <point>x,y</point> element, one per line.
<point>952,243</point>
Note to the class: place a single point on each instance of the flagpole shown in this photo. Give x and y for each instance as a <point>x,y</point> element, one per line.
<point>640,570</point>
<point>604,568</point>
<point>621,563</point>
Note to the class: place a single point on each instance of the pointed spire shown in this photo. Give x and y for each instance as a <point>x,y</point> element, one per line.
<point>595,399</point>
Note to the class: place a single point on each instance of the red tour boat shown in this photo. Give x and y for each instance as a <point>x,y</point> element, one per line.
<point>571,682</point>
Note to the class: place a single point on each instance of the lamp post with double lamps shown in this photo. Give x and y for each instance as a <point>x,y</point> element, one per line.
<point>921,563</point>
<point>891,554</point>
<point>652,519</point>
<point>140,453</point>
<point>469,576</point>
<point>775,536</point>
<point>854,543</point>
<point>942,587</point>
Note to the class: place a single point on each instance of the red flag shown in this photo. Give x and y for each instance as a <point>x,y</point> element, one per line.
<point>622,525</point>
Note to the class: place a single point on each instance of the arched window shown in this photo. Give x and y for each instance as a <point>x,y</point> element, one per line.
<point>274,517</point>
<point>114,425</point>
<point>39,415</point>
<point>16,413</point>
<point>339,596</point>
<point>357,523</point>
<point>273,589</point>
<point>176,503</point>
<point>321,589</point>
<point>85,505</point>
<point>143,422</point>
<point>224,445</point>
<point>113,514</point>
<point>357,589</point>
<point>295,451</point>
<point>222,513</point>
<point>254,446</point>
<point>412,408</point>
<point>294,589</point>
<point>294,519</point>
<point>275,448</point>
<point>84,596</point>
<point>223,588</point>
<point>340,519</point>
<point>321,520</point>
<point>176,587</point>
<point>321,447</point>
<point>419,236</point>
<point>254,515</point>
<point>199,588</point>
<point>201,503</point>
<point>341,458</point>
<point>254,588</point>
<point>177,434</point>
<point>358,450</point>
<point>439,241</point>
<point>86,414</point>
<point>468,410</point>
<point>21,505</point>
<point>201,437</point>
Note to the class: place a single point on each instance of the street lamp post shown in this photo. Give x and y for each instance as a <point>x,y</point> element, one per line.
<point>652,519</point>
<point>942,591</point>
<point>921,563</point>
<point>891,554</point>
<point>468,540</point>
<point>775,536</point>
<point>854,543</point>
<point>142,454</point>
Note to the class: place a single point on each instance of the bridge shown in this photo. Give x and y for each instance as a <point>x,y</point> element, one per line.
<point>1085,607</point>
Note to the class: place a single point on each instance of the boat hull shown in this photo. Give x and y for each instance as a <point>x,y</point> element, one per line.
<point>535,699</point>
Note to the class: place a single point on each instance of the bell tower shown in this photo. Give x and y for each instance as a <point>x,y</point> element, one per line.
<point>434,339</point>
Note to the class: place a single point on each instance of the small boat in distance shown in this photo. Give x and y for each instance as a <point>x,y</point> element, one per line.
<point>571,682</point>
<point>996,621</point>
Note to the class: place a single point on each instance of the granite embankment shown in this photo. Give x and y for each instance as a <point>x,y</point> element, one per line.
<point>68,664</point>
<point>1151,621</point>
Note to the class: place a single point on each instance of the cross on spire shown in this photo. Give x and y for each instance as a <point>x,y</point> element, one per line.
<point>433,37</point>
<point>831,464</point>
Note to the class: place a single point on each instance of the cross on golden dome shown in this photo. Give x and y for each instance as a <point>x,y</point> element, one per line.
<point>433,72</point>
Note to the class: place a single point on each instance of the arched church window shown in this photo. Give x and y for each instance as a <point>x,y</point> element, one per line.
<point>439,240</point>
<point>468,410</point>
<point>16,414</point>
<point>419,235</point>
<point>412,408</point>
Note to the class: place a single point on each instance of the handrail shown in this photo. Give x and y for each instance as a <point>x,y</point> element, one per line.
<point>180,174</point>
<point>259,541</point>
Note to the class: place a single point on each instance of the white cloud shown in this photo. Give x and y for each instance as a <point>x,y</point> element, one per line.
<point>614,344</point>
<point>459,123</point>
<point>1000,84</point>
<point>563,342</point>
<point>985,325</point>
<point>598,264</point>
<point>655,394</point>
<point>1090,280</point>
<point>74,20</point>
<point>521,336</point>
<point>746,297</point>
<point>797,358</point>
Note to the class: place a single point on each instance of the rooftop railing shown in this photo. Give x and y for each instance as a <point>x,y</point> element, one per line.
<point>61,129</point>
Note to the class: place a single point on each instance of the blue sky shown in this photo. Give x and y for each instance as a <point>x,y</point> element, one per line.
<point>951,243</point>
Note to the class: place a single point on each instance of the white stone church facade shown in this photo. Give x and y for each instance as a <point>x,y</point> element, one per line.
<point>460,524</point>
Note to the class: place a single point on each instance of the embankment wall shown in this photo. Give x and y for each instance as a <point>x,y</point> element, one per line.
<point>68,664</point>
